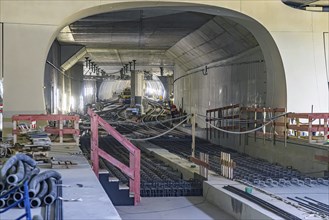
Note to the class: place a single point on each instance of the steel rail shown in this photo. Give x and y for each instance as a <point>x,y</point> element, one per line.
<point>262,203</point>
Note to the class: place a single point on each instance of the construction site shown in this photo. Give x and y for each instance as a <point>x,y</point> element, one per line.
<point>164,110</point>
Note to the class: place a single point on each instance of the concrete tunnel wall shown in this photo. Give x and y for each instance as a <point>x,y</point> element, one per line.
<point>242,83</point>
<point>298,39</point>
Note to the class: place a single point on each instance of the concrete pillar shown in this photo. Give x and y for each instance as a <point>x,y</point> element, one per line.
<point>24,55</point>
<point>132,85</point>
<point>139,91</point>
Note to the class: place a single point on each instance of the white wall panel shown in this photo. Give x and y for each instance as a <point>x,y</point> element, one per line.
<point>1,51</point>
<point>243,83</point>
<point>326,52</point>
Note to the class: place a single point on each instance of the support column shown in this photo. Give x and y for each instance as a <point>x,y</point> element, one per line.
<point>25,51</point>
<point>139,91</point>
<point>193,135</point>
<point>132,87</point>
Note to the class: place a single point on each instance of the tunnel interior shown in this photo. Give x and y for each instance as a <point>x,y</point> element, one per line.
<point>204,60</point>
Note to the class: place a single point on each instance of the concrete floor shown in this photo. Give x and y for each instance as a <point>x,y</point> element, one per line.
<point>173,208</point>
<point>93,202</point>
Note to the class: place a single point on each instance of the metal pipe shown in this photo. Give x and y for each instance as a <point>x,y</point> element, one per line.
<point>29,175</point>
<point>35,202</point>
<point>10,202</point>
<point>27,171</point>
<point>13,179</point>
<point>43,190</point>
<point>40,177</point>
<point>262,203</point>
<point>52,195</point>
<point>9,187</point>
<point>17,196</point>
<point>11,170</point>
<point>20,205</point>
<point>13,160</point>
<point>4,192</point>
<point>2,186</point>
<point>2,203</point>
<point>33,193</point>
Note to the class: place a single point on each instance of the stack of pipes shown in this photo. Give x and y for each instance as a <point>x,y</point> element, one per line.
<point>227,165</point>
<point>20,168</point>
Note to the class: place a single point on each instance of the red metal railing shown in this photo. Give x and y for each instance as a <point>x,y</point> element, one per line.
<point>60,130</point>
<point>133,171</point>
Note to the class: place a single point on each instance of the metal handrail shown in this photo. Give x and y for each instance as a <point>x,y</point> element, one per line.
<point>133,171</point>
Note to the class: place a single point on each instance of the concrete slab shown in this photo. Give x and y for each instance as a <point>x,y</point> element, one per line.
<point>95,203</point>
<point>173,208</point>
<point>234,205</point>
<point>242,208</point>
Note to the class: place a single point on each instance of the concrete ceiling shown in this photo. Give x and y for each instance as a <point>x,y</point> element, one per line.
<point>157,37</point>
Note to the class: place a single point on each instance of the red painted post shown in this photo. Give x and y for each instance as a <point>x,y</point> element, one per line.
<point>133,171</point>
<point>91,137</point>
<point>137,178</point>
<point>132,167</point>
<point>94,143</point>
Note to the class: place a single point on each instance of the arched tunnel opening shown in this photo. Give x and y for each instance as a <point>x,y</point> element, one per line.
<point>151,65</point>
<point>147,70</point>
<point>203,60</point>
<point>201,101</point>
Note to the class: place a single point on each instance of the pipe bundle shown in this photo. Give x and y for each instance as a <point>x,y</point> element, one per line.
<point>20,168</point>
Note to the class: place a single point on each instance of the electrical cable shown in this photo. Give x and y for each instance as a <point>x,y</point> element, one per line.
<point>147,123</point>
<point>220,65</point>
<point>62,72</point>
<point>150,138</point>
<point>249,131</point>
<point>231,119</point>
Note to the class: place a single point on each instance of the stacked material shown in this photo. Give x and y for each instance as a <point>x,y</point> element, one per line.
<point>39,138</point>
<point>20,168</point>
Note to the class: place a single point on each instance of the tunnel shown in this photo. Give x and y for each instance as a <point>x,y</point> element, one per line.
<point>210,59</point>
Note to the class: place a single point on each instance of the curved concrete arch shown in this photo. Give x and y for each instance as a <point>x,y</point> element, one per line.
<point>30,28</point>
<point>276,89</point>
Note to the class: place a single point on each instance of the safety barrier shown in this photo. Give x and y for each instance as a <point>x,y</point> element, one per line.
<point>133,171</point>
<point>309,126</point>
<point>60,130</point>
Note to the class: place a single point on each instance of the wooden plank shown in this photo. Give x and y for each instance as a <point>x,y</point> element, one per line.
<point>52,130</point>
<point>306,127</point>
<point>199,162</point>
